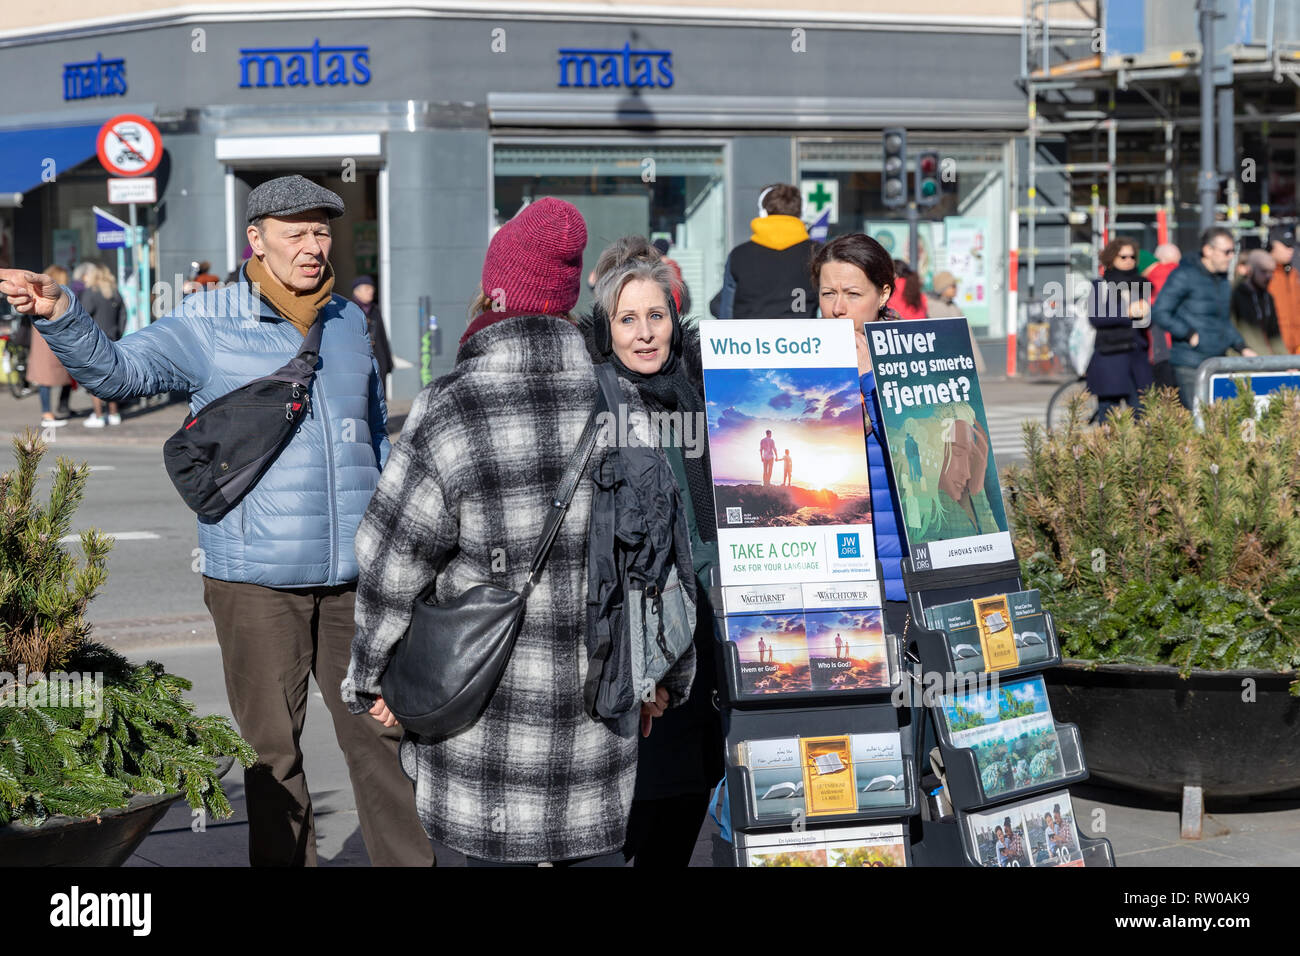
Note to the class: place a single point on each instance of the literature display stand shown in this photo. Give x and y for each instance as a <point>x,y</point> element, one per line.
<point>824,758</point>
<point>967,838</point>
<point>820,763</point>
<point>975,640</point>
<point>768,805</point>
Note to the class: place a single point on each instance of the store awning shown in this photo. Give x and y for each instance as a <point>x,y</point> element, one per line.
<point>26,155</point>
<point>590,109</point>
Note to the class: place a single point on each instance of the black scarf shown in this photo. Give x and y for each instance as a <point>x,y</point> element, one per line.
<point>671,389</point>
<point>1126,280</point>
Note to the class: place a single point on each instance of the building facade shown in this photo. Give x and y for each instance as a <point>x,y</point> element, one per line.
<point>436,124</point>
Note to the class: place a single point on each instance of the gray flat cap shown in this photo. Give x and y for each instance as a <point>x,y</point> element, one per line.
<point>292,194</point>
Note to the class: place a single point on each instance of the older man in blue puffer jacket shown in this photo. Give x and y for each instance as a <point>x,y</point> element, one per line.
<point>279,573</point>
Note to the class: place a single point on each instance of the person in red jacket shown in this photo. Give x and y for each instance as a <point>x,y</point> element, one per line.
<point>907,299</point>
<point>1167,257</point>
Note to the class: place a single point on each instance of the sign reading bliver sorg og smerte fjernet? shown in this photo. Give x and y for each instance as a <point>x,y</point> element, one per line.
<point>788,451</point>
<point>932,413</point>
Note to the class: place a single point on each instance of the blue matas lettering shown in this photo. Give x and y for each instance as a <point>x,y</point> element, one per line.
<point>262,67</point>
<point>622,66</point>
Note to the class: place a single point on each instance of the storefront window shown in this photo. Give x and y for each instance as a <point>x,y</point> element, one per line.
<point>673,192</point>
<point>964,233</point>
<point>72,198</point>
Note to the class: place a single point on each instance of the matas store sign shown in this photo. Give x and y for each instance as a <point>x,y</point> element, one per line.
<point>610,69</point>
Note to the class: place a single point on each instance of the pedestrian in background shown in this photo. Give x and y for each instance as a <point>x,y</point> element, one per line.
<point>907,299</point>
<point>633,329</point>
<point>279,572</point>
<point>1119,370</point>
<point>534,779</point>
<point>681,295</point>
<point>940,304</point>
<point>1167,256</point>
<point>45,371</point>
<point>363,294</point>
<point>767,277</point>
<point>1253,311</point>
<point>1195,306</point>
<point>1285,286</point>
<point>102,301</point>
<point>82,275</point>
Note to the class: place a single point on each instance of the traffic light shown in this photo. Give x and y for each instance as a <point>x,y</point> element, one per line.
<point>927,178</point>
<point>893,178</point>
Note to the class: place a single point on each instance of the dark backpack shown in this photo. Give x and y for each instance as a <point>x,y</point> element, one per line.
<point>222,451</point>
<point>640,581</point>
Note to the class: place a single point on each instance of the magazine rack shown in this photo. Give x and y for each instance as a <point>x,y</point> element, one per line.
<point>934,649</point>
<point>965,788</point>
<point>814,722</point>
<point>1092,852</point>
<point>742,845</point>
<point>811,713</point>
<point>732,685</point>
<point>946,843</point>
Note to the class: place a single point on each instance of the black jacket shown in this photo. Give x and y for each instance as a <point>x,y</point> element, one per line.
<point>1195,302</point>
<point>1254,306</point>
<point>683,753</point>
<point>379,341</point>
<point>109,313</point>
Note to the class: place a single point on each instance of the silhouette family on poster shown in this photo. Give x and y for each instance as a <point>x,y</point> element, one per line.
<point>767,454</point>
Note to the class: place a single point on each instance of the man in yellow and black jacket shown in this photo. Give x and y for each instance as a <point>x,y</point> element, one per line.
<point>767,277</point>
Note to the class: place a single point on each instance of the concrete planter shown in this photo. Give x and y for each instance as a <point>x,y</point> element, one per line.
<point>1147,729</point>
<point>86,841</point>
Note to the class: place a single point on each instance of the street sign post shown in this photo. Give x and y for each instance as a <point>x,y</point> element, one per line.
<point>143,189</point>
<point>130,146</point>
<point>110,232</point>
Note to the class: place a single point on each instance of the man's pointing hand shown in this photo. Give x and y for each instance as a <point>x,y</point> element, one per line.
<point>32,293</point>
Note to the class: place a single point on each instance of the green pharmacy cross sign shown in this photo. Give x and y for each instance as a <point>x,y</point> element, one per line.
<point>821,197</point>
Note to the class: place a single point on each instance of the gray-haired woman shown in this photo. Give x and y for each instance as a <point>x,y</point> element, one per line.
<point>636,329</point>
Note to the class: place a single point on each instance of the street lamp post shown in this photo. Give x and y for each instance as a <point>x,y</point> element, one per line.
<point>1207,182</point>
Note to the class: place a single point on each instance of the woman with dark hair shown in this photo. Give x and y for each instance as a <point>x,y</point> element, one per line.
<point>854,276</point>
<point>907,299</point>
<point>635,328</point>
<point>1119,370</point>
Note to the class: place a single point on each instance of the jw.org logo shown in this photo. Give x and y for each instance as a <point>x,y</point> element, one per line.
<point>848,545</point>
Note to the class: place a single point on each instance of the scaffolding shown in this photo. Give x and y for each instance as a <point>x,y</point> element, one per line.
<point>1078,91</point>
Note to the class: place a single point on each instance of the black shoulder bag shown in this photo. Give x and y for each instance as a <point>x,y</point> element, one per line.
<point>445,669</point>
<point>220,453</point>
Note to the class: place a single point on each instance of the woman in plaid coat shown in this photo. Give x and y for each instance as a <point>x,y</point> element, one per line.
<point>463,497</point>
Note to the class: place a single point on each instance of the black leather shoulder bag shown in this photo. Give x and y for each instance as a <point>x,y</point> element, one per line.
<point>445,669</point>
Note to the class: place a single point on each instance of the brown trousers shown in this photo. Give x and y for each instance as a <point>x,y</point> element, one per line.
<point>271,640</point>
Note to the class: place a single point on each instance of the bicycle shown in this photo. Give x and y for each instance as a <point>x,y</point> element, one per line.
<point>1058,406</point>
<point>13,362</point>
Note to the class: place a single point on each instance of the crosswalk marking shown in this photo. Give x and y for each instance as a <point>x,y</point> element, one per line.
<point>1006,433</point>
<point>118,535</point>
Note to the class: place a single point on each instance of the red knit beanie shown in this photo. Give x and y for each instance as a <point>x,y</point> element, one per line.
<point>535,259</point>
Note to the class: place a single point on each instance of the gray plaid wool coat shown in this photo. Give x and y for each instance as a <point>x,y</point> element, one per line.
<point>464,494</point>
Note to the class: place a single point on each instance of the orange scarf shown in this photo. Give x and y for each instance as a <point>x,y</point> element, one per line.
<point>300,309</point>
